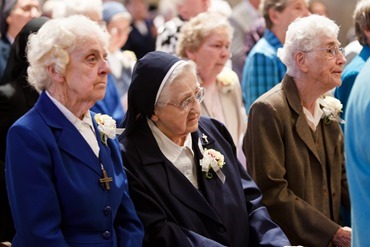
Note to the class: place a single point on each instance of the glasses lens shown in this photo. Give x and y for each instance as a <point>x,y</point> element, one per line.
<point>341,49</point>
<point>200,95</point>
<point>333,51</point>
<point>187,104</point>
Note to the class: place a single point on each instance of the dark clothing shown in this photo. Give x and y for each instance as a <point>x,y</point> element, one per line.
<point>4,54</point>
<point>141,44</point>
<point>16,98</point>
<point>175,213</point>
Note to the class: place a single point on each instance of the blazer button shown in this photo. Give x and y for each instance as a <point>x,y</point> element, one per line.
<point>106,235</point>
<point>107,210</point>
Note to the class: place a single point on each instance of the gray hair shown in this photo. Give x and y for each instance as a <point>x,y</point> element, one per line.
<point>53,43</point>
<point>195,31</point>
<point>185,67</point>
<point>305,34</point>
<point>361,17</point>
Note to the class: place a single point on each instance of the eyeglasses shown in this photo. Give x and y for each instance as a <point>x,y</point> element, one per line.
<point>333,50</point>
<point>188,103</point>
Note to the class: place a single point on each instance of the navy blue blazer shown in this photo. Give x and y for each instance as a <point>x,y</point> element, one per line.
<point>53,185</point>
<point>175,213</point>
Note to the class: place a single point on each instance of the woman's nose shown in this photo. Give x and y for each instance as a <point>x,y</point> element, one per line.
<point>105,68</point>
<point>342,59</point>
<point>196,107</point>
<point>225,52</point>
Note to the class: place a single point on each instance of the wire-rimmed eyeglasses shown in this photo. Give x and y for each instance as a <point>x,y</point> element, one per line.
<point>188,103</point>
<point>332,50</point>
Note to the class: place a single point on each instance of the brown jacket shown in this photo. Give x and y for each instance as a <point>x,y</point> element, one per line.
<point>302,194</point>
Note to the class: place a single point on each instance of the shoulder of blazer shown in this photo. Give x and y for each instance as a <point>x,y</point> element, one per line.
<point>140,144</point>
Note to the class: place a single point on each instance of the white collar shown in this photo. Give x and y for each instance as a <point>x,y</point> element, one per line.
<point>313,120</point>
<point>170,150</point>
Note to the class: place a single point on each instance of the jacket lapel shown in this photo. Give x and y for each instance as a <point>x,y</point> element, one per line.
<point>301,126</point>
<point>104,151</point>
<point>212,187</point>
<point>331,132</point>
<point>66,134</point>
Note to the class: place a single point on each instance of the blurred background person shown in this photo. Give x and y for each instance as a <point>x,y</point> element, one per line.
<point>357,155</point>
<point>166,10</point>
<point>243,17</point>
<point>361,18</point>
<point>14,15</point>
<point>168,34</point>
<point>118,23</point>
<point>220,6</point>
<point>206,39</point>
<point>263,69</point>
<point>16,98</point>
<point>142,37</point>
<point>353,47</point>
<point>93,9</point>
<point>53,8</point>
<point>68,188</point>
<point>294,144</point>
<point>164,144</point>
<point>318,7</point>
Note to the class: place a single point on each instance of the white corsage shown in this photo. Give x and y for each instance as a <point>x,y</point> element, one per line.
<point>215,160</point>
<point>331,108</point>
<point>107,127</point>
<point>227,78</point>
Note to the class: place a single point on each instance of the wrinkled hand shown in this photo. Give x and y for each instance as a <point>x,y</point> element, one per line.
<point>342,237</point>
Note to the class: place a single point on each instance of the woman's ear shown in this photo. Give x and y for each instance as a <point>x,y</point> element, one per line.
<point>191,55</point>
<point>301,61</point>
<point>154,117</point>
<point>274,16</point>
<point>54,74</point>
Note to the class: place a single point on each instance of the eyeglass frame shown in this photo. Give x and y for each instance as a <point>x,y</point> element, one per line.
<point>332,50</point>
<point>188,103</point>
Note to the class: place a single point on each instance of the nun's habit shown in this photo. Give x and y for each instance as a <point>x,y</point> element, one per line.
<point>173,211</point>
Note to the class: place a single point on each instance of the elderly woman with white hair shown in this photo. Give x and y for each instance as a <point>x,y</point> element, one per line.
<point>64,172</point>
<point>294,144</point>
<point>93,9</point>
